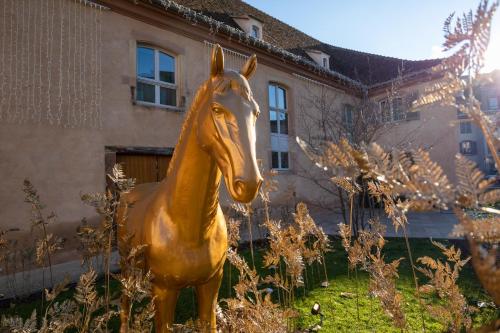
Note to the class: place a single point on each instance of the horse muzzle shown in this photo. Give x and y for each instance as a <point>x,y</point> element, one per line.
<point>246,190</point>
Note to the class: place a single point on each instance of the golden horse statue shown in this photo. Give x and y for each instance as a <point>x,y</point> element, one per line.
<point>180,219</point>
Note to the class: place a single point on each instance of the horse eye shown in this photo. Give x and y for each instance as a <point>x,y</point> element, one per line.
<point>218,110</point>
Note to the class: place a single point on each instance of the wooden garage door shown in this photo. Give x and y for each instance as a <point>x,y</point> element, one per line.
<point>145,168</point>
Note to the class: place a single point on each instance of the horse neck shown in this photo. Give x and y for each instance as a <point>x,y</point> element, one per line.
<point>191,188</point>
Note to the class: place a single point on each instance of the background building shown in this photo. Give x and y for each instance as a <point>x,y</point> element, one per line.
<point>88,84</point>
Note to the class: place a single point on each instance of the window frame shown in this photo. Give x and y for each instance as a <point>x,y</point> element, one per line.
<point>279,134</point>
<point>490,105</point>
<point>277,109</point>
<point>255,28</point>
<point>387,115</point>
<point>348,118</point>
<point>473,147</point>
<point>280,161</point>
<point>156,82</point>
<point>463,127</point>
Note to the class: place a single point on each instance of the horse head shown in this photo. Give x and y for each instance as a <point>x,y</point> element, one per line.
<point>226,126</point>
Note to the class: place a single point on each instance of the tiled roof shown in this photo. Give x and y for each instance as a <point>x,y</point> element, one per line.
<point>369,69</point>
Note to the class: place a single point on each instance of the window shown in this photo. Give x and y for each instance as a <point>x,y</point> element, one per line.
<point>392,110</point>
<point>468,147</point>
<point>325,63</point>
<point>279,160</point>
<point>347,117</point>
<point>156,81</point>
<point>398,112</point>
<point>385,110</point>
<point>278,116</point>
<point>255,32</point>
<point>465,127</point>
<point>277,108</point>
<point>492,103</point>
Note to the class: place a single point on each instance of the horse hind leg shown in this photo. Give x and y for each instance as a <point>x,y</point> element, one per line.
<point>165,302</point>
<point>207,302</point>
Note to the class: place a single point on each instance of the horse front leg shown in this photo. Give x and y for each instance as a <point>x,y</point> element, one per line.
<point>165,302</point>
<point>207,302</point>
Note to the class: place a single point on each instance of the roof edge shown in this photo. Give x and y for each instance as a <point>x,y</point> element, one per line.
<point>220,27</point>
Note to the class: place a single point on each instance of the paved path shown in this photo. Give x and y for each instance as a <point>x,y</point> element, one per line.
<point>29,282</point>
<point>421,225</point>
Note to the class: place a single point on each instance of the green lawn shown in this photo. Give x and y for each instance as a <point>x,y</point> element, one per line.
<point>341,314</point>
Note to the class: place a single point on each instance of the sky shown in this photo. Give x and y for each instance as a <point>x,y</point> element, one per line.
<point>407,29</point>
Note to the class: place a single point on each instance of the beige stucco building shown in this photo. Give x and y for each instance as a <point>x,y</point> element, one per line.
<point>87,84</point>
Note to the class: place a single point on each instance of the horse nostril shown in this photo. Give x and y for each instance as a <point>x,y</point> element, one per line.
<point>239,186</point>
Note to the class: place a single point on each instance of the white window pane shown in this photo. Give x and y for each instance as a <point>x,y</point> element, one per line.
<point>284,160</point>
<point>167,68</point>
<point>272,96</point>
<point>274,121</point>
<point>385,111</point>
<point>283,123</point>
<point>468,147</point>
<point>275,164</point>
<point>282,143</point>
<point>167,96</point>
<point>255,31</point>
<point>397,109</point>
<point>465,127</point>
<point>145,92</point>
<point>145,62</point>
<point>281,98</point>
<point>492,103</point>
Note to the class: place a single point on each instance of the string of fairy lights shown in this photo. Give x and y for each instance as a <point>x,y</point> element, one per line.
<point>232,59</point>
<point>50,62</point>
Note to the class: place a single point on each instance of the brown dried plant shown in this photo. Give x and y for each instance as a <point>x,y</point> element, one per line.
<point>87,311</point>
<point>252,310</point>
<point>291,248</point>
<point>78,313</point>
<point>136,287</point>
<point>366,252</point>
<point>453,311</point>
<point>46,244</point>
<point>99,241</point>
<point>410,180</point>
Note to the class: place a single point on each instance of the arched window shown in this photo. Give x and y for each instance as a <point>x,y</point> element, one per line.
<point>278,115</point>
<point>156,79</point>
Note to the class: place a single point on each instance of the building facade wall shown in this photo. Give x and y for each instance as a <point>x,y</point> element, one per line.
<point>64,163</point>
<point>435,130</point>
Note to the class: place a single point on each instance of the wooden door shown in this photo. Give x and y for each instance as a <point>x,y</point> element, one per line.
<point>145,168</point>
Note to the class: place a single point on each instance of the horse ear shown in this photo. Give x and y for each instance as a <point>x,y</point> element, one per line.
<point>249,68</point>
<point>217,61</point>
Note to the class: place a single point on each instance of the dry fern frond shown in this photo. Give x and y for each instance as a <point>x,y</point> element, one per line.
<point>455,313</point>
<point>233,232</point>
<point>269,185</point>
<point>441,92</point>
<point>366,251</point>
<point>17,325</point>
<point>471,183</point>
<point>252,310</point>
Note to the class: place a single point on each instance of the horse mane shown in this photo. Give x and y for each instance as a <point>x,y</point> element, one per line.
<point>193,110</point>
